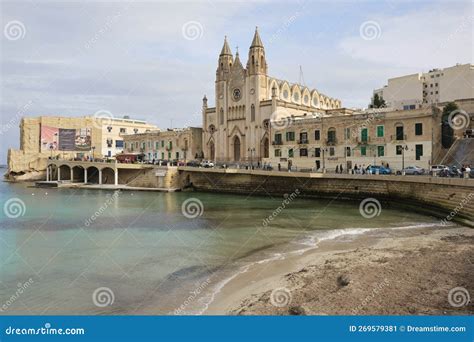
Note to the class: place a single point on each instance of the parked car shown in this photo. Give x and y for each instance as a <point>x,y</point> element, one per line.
<point>435,169</point>
<point>382,170</point>
<point>207,163</point>
<point>413,170</point>
<point>193,163</point>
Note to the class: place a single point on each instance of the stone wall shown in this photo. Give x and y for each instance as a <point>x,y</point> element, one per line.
<point>435,196</point>
<point>26,166</point>
<point>157,177</point>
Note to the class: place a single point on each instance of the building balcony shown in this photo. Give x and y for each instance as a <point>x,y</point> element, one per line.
<point>277,142</point>
<point>398,137</point>
<point>362,141</point>
<point>303,141</point>
<point>331,142</point>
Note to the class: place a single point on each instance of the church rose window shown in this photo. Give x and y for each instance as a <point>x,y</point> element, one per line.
<point>236,94</point>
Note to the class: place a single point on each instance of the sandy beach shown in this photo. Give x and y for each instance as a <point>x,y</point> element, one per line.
<point>382,272</point>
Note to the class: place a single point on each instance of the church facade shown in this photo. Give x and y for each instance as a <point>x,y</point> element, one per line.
<point>250,104</point>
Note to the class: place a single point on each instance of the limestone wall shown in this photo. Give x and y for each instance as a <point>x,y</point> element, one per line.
<point>436,196</point>
<point>157,177</point>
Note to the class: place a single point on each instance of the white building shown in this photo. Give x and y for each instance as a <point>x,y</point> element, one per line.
<point>114,130</point>
<point>435,86</point>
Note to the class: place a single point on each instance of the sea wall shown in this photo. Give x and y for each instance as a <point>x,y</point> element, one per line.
<point>157,177</point>
<point>451,199</point>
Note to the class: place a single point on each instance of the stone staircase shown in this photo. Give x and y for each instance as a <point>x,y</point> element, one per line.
<point>461,152</point>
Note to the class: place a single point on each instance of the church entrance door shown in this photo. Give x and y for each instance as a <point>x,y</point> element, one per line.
<point>236,148</point>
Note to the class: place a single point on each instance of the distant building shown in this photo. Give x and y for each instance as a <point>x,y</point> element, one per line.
<point>433,87</point>
<point>173,144</point>
<point>69,137</point>
<point>372,137</point>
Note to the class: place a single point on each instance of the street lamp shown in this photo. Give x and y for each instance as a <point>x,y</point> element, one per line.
<point>251,150</point>
<point>403,149</point>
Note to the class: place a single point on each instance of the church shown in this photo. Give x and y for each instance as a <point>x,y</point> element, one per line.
<point>249,103</point>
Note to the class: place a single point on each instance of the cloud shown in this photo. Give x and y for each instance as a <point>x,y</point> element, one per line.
<point>421,39</point>
<point>131,58</point>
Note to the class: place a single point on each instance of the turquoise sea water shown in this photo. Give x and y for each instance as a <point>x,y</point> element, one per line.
<point>150,257</point>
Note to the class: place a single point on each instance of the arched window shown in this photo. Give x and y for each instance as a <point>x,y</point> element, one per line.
<point>253,60</point>
<point>236,148</point>
<point>261,61</point>
<point>221,116</point>
<point>252,113</point>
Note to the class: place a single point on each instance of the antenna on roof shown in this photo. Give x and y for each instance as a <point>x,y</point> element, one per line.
<point>301,80</point>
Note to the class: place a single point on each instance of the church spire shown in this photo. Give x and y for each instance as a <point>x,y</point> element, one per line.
<point>257,64</point>
<point>237,58</point>
<point>225,48</point>
<point>225,62</point>
<point>256,42</point>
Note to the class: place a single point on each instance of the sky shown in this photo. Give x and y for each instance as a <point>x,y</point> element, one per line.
<point>154,60</point>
